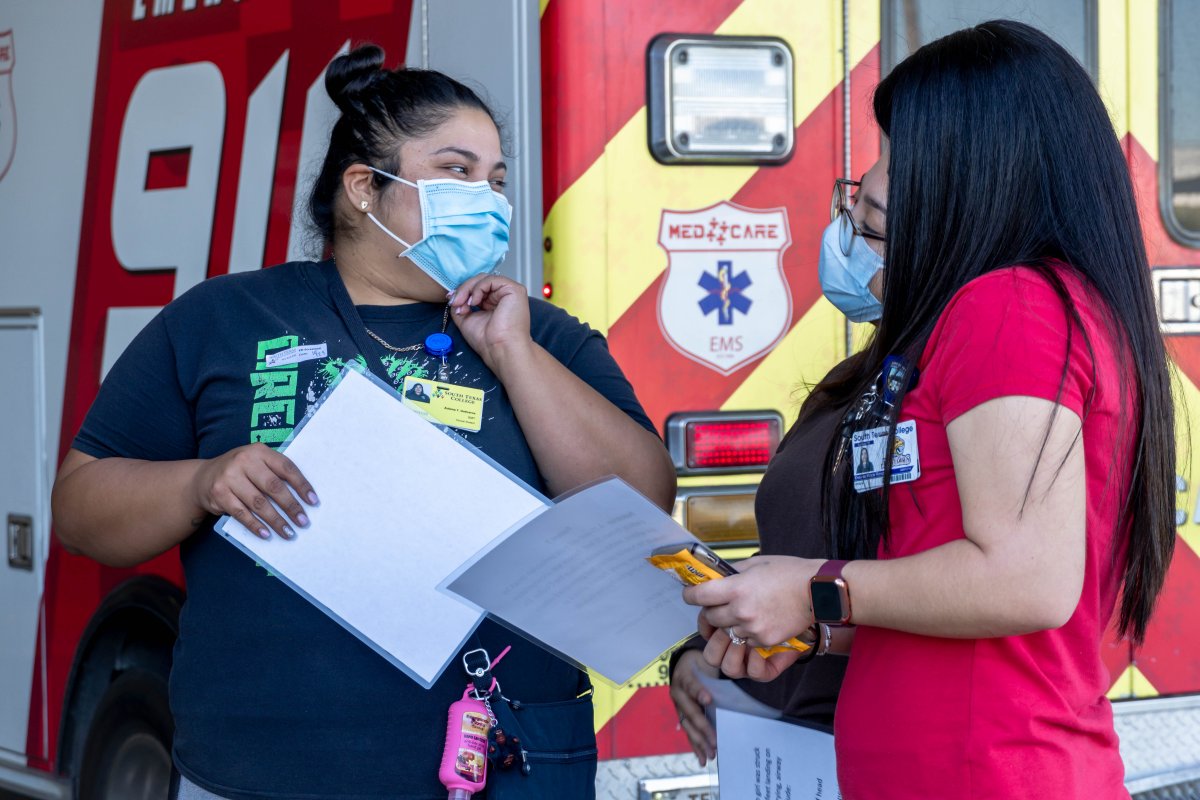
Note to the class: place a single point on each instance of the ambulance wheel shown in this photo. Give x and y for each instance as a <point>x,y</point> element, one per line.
<point>128,751</point>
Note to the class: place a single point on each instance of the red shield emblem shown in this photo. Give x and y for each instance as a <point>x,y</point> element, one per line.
<point>725,301</point>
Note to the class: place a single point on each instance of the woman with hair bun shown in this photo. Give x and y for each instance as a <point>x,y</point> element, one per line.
<point>272,698</point>
<point>1018,358</point>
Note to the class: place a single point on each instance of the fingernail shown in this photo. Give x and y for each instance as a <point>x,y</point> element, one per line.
<point>302,519</point>
<point>312,499</point>
<point>450,295</point>
<point>263,533</point>
<point>288,533</point>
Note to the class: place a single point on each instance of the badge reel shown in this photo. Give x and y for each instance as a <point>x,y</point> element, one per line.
<point>439,345</point>
<point>440,401</point>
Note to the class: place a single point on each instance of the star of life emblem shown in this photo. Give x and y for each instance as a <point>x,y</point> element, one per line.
<point>725,301</point>
<point>8,112</point>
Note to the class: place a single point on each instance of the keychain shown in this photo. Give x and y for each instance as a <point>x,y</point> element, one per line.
<point>472,736</point>
<point>887,451</point>
<point>439,346</point>
<point>875,404</point>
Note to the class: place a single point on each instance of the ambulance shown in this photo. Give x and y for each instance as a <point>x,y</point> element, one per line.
<point>671,170</point>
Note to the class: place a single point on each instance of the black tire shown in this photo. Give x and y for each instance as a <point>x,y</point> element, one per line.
<point>128,750</point>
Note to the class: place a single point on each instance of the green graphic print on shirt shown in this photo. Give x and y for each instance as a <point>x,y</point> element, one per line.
<point>273,414</point>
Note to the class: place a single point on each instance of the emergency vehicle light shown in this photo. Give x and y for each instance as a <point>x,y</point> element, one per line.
<point>721,515</point>
<point>723,442</point>
<point>722,99</point>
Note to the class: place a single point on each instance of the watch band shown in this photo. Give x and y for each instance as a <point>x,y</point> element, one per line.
<point>832,567</point>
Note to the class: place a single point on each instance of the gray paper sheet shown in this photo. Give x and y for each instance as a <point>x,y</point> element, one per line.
<point>575,578</point>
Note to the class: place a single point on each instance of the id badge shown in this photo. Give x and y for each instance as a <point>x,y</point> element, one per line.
<point>872,448</point>
<point>444,403</point>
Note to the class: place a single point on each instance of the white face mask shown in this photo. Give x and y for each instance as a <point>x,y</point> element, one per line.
<point>464,229</point>
<point>846,279</point>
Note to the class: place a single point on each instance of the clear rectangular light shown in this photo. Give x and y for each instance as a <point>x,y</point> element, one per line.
<point>726,99</point>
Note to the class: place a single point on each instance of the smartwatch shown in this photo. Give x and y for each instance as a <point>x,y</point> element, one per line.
<point>829,594</point>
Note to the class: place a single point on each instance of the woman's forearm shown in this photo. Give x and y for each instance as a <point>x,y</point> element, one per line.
<point>122,511</point>
<point>958,591</point>
<point>575,434</point>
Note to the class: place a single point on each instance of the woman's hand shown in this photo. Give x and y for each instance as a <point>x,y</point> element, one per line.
<point>765,603</point>
<point>742,660</point>
<point>690,698</point>
<point>493,314</point>
<point>244,482</point>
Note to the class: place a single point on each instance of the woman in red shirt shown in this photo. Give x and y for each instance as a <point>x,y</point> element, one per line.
<point>1030,458</point>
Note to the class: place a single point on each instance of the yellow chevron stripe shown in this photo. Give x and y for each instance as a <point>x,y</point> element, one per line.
<point>1113,80</point>
<point>576,261</point>
<point>1143,74</point>
<point>605,226</point>
<point>1128,80</point>
<point>542,9</point>
<point>1131,683</point>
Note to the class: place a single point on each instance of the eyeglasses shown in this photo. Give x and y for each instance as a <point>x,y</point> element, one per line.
<point>840,206</point>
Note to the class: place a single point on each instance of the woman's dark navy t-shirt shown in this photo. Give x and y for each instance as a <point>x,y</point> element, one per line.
<point>271,697</point>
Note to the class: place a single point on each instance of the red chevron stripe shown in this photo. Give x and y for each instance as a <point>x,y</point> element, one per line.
<point>655,732</point>
<point>802,185</point>
<point>593,81</point>
<point>1162,250</point>
<point>1170,656</point>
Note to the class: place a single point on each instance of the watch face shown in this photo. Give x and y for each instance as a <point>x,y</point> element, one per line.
<point>827,601</point>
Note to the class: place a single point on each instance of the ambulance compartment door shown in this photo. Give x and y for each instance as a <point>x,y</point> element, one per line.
<point>24,510</point>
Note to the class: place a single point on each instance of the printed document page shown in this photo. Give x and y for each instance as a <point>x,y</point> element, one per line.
<point>771,759</point>
<point>576,579</point>
<point>402,506</point>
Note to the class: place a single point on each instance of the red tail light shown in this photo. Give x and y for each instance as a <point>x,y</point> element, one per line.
<point>723,442</point>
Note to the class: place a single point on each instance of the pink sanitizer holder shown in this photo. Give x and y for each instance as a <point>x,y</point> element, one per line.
<point>464,761</point>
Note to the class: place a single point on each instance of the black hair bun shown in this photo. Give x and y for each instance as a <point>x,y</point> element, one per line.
<point>351,75</point>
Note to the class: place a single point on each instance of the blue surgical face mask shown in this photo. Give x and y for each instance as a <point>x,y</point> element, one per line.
<point>845,279</point>
<point>464,229</point>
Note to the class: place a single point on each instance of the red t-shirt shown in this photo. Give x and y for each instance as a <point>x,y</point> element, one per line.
<point>1021,716</point>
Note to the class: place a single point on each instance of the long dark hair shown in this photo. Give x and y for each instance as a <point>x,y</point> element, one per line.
<point>381,109</point>
<point>1002,153</point>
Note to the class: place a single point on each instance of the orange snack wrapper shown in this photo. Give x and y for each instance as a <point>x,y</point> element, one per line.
<point>692,571</point>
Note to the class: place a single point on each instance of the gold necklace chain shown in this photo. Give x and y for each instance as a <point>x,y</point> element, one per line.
<point>411,347</point>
